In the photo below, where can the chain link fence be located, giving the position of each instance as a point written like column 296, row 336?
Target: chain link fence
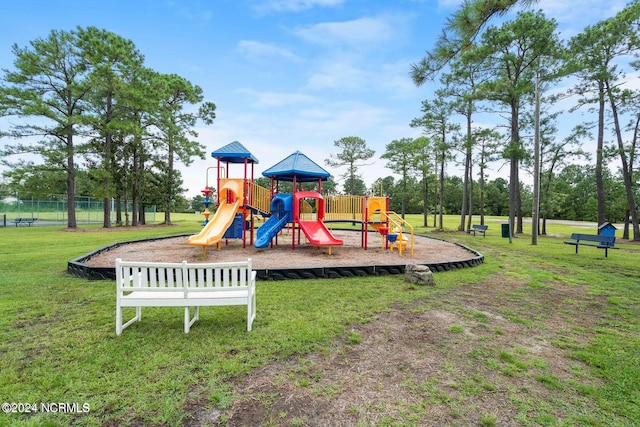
column 89, row 210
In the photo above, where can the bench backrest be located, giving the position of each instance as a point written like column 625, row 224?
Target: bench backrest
column 229, row 275
column 183, row 276
column 602, row 240
column 480, row 226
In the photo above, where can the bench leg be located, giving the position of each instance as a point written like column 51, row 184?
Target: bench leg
column 118, row 320
column 188, row 321
column 251, row 311
column 119, row 326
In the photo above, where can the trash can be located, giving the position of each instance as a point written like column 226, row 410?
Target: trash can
column 505, row 231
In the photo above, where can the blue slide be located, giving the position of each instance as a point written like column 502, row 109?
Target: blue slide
column 281, row 215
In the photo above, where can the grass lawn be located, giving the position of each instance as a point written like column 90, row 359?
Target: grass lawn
column 59, row 352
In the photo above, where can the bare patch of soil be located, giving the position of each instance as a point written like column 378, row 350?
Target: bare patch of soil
column 469, row 359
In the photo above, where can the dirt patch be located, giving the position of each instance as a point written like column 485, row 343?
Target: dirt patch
column 470, row 361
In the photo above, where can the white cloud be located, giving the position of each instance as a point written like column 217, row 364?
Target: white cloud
column 186, row 12
column 337, row 75
column 449, row 4
column 295, row 5
column 311, row 126
column 632, row 81
column 395, row 78
column 276, row 99
column 357, row 32
column 351, row 73
column 252, row 49
column 311, row 129
column 573, row 17
column 583, row 11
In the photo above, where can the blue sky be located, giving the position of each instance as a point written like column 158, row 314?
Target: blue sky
column 285, row 75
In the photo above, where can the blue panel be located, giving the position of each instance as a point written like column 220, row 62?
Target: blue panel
column 235, row 229
column 234, row 152
column 298, row 165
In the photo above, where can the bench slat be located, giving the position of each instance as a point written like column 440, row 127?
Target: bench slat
column 602, row 240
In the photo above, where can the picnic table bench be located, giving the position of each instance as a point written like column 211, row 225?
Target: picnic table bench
column 23, row 221
column 480, row 228
column 595, row 240
column 161, row 284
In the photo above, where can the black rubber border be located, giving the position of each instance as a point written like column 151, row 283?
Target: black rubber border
column 78, row 268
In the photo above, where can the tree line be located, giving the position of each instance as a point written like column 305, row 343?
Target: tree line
column 85, row 105
column 505, row 70
column 90, row 109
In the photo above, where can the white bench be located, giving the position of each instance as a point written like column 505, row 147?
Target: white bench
column 161, row 284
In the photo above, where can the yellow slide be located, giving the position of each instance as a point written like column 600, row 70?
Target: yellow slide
column 214, row 230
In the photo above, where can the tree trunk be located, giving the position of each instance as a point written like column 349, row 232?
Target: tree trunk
column 470, row 220
column 404, row 196
column 169, row 189
column 513, row 173
column 482, row 188
column 106, row 212
column 137, row 184
column 425, row 201
column 519, row 228
column 134, row 210
column 142, row 220
column 435, row 193
column 599, row 155
column 626, row 174
column 465, row 195
column 467, row 165
column 118, row 202
column 441, row 214
column 108, row 163
column 625, row 231
column 71, row 182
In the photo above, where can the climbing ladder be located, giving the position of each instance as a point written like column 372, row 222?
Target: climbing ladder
column 398, row 226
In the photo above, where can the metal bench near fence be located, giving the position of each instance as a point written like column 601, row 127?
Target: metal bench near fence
column 24, row 221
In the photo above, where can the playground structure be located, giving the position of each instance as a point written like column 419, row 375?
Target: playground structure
column 240, row 200
column 237, row 200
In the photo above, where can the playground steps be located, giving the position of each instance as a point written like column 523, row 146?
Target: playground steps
column 398, row 225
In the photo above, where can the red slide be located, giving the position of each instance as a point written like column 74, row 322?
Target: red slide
column 318, row 234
